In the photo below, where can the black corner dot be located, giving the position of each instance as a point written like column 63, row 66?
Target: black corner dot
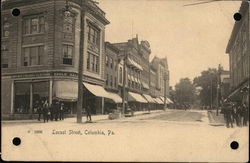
column 16, row 12
column 237, row 16
column 16, row 141
column 234, row 145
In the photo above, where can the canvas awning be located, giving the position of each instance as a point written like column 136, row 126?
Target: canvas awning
column 99, row 91
column 66, row 90
column 136, row 97
column 145, row 85
column 133, row 63
column 148, row 98
column 159, row 100
column 115, row 97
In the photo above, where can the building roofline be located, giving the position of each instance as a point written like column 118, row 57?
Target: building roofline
column 243, row 9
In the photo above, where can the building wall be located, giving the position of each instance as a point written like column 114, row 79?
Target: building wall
column 111, row 68
column 239, row 52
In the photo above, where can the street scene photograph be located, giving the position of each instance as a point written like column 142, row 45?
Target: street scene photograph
column 125, row 80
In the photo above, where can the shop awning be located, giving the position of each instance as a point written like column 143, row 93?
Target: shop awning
column 159, row 100
column 136, row 97
column 148, row 98
column 99, row 91
column 145, row 85
column 66, row 90
column 155, row 101
column 170, row 101
column 133, row 63
column 115, row 97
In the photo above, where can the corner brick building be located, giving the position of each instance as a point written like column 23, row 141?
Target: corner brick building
column 40, row 54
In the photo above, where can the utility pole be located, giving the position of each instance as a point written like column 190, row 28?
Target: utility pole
column 211, row 97
column 80, row 69
column 124, row 82
column 218, row 90
column 165, row 89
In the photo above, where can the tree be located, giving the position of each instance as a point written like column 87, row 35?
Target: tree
column 208, row 82
column 184, row 91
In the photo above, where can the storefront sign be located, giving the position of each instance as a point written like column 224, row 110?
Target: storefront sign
column 34, row 75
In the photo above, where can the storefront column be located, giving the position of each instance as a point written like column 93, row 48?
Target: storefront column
column 102, row 105
column 50, row 91
column 31, row 99
column 12, row 98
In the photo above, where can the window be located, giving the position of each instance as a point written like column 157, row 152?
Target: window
column 93, row 35
column 107, row 61
column 33, row 56
column 6, row 29
column 88, row 62
column 68, row 54
column 111, row 81
column 111, row 63
column 107, row 80
column 68, row 24
column 4, row 61
column 93, row 62
column 115, row 82
column 120, row 75
column 34, row 25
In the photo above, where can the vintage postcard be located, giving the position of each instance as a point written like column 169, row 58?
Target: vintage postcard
column 125, row 80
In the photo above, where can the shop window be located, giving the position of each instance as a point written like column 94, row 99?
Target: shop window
column 68, row 54
column 22, row 97
column 33, row 25
column 93, row 63
column 33, row 56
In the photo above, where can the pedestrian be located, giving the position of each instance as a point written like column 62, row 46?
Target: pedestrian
column 56, row 110
column 227, row 111
column 61, row 112
column 36, row 109
column 52, row 110
column 244, row 114
column 45, row 111
column 39, row 110
column 235, row 116
column 88, row 113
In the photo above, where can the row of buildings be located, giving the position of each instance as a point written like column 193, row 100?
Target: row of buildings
column 235, row 82
column 40, row 52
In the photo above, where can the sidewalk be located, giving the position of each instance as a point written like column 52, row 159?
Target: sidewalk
column 71, row 119
column 214, row 119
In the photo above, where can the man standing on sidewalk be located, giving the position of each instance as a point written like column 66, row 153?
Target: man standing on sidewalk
column 88, row 113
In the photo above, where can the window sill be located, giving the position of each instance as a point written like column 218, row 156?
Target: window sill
column 34, row 66
column 35, row 34
column 97, row 73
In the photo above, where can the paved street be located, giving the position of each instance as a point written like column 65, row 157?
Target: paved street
column 173, row 135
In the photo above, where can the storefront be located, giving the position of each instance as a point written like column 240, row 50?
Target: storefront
column 150, row 103
column 135, row 101
column 100, row 100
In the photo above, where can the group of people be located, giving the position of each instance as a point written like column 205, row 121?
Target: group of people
column 55, row 111
column 235, row 113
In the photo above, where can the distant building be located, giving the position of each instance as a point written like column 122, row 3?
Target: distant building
column 238, row 49
column 160, row 65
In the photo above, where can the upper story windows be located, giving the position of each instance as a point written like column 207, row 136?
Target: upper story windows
column 68, row 54
column 33, row 55
column 93, row 63
column 33, row 24
column 68, row 24
column 6, row 29
column 93, row 35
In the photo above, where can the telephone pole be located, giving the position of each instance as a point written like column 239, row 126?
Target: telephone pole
column 80, row 69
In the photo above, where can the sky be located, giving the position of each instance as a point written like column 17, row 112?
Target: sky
column 193, row 38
